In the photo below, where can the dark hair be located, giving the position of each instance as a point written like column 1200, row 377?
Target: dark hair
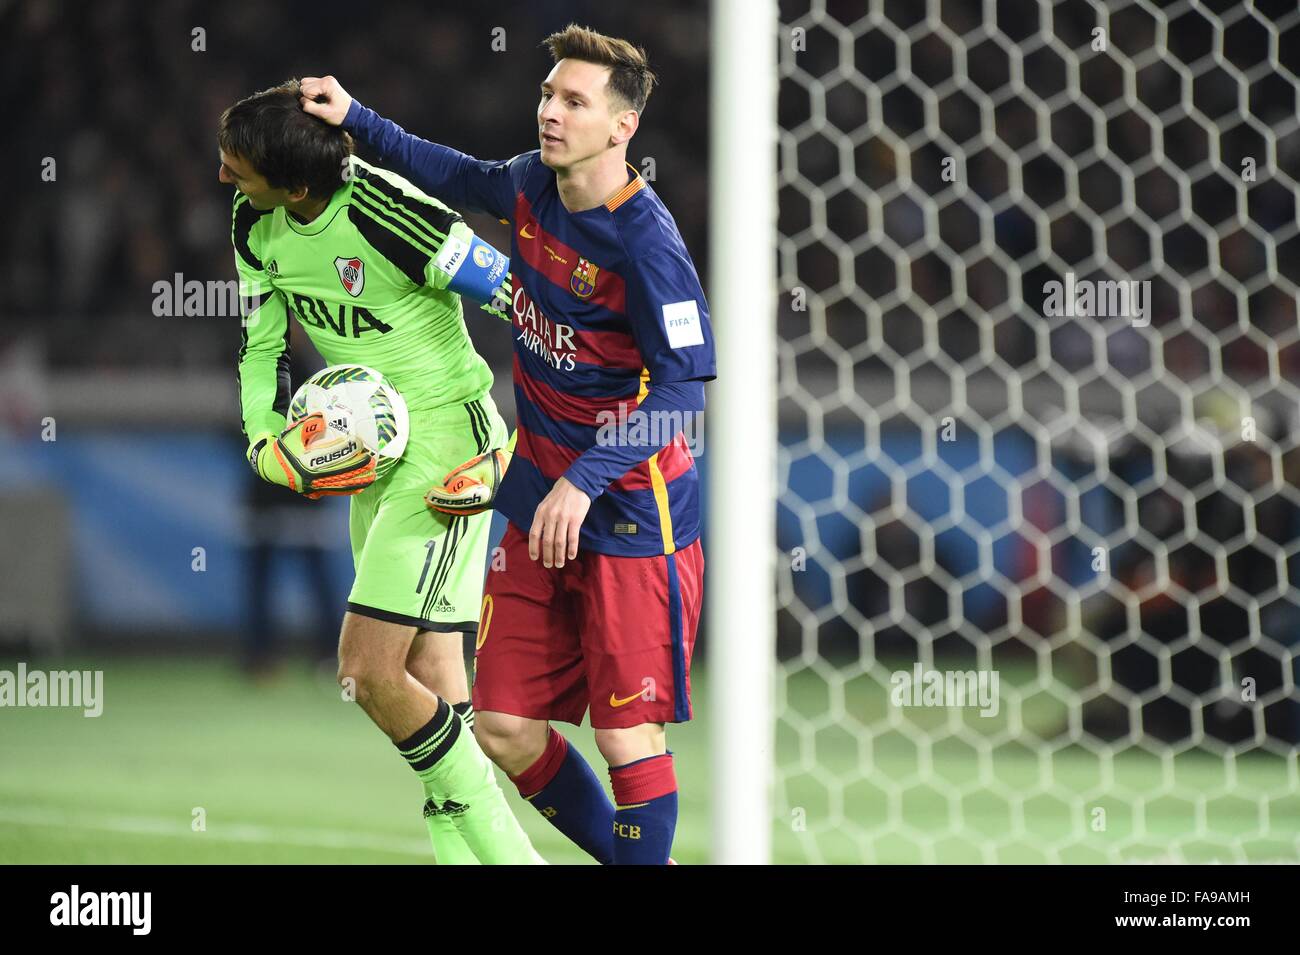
column 630, row 78
column 289, row 147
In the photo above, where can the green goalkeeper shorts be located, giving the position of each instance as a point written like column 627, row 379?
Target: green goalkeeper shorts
column 414, row 566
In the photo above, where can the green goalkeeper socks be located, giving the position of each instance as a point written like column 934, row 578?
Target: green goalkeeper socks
column 461, row 788
column 449, row 845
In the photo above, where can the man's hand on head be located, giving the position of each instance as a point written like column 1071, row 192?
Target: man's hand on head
column 324, row 98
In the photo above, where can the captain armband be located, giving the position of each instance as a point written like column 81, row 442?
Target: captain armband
column 476, row 268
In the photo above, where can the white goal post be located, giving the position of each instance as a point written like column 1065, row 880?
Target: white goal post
column 1004, row 451
column 741, row 429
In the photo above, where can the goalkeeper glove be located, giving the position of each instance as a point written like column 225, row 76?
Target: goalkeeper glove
column 303, row 459
column 470, row 488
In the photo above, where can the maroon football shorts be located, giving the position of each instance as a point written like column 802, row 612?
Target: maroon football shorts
column 612, row 633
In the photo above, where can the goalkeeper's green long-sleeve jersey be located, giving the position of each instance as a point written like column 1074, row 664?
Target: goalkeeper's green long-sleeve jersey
column 368, row 280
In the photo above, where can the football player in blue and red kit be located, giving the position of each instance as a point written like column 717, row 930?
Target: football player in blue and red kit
column 597, row 601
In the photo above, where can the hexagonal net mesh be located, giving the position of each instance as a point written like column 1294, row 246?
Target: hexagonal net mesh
column 1079, row 507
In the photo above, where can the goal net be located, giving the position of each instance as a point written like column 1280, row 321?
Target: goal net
column 1037, row 407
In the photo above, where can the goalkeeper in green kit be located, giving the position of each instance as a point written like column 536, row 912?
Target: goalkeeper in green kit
column 374, row 270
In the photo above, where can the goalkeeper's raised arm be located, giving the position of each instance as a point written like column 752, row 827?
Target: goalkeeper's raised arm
column 445, row 173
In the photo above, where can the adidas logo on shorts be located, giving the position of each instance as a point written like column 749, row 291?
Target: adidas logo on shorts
column 442, row 605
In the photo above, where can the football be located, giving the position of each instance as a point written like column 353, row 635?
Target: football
column 358, row 402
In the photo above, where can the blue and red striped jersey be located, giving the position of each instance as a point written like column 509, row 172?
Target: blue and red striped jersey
column 607, row 307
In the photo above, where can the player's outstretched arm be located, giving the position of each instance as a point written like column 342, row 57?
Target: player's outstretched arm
column 445, row 173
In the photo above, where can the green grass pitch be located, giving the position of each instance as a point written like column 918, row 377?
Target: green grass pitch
column 286, row 772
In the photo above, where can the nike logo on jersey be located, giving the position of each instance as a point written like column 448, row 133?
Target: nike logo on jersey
column 525, row 234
